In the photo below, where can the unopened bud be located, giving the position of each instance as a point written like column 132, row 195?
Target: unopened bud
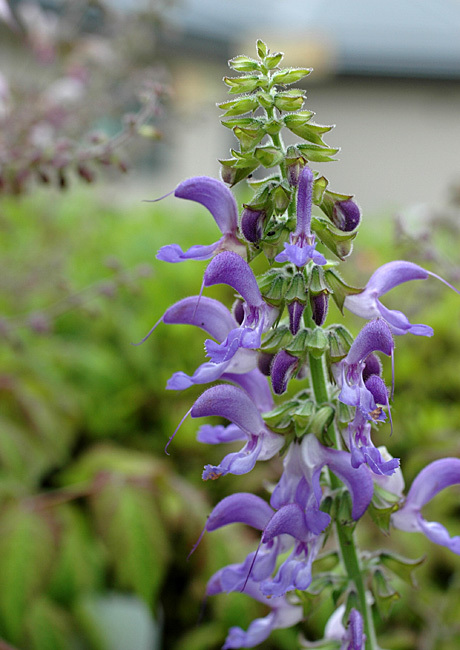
column 283, row 367
column 319, row 306
column 346, row 215
column 295, row 310
column 252, row 224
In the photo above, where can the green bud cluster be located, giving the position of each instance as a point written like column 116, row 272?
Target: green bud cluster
column 264, row 107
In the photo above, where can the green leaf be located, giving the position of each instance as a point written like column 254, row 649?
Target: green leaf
column 339, row 242
column 264, row 99
column 239, row 106
column 262, row 49
column 272, row 60
column 295, row 120
column 244, row 84
column 243, row 63
column 317, row 153
column 384, row 594
column 319, row 188
column 26, row 554
column 248, row 137
column 118, row 622
column 401, row 566
column 268, row 155
column 307, row 131
column 290, row 75
column 340, row 289
column 80, row 564
column 289, row 100
column 130, row 526
column 48, row 627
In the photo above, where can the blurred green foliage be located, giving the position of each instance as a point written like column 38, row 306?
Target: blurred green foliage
column 96, row 522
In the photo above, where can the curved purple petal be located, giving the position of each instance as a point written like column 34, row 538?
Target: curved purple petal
column 304, row 201
column 173, row 253
column 254, row 383
column 358, row 481
column 435, row 477
column 400, row 324
column 282, row 368
column 215, row 196
column 243, row 508
column 375, row 336
column 208, row 314
column 230, row 268
column 231, row 403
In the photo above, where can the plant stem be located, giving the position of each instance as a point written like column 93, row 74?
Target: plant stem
column 345, row 536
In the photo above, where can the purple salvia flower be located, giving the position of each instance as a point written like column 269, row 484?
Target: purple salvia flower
column 363, row 450
column 435, row 477
column 283, row 614
column 367, row 304
column 215, row 319
column 302, row 247
column 236, row 405
column 219, row 200
column 374, row 337
column 229, row 268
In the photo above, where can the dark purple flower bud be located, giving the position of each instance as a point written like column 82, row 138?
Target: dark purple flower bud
column 294, row 167
column 295, row 309
column 319, row 306
column 252, row 224
column 346, row 215
column 283, row 367
column 264, row 362
column 372, row 366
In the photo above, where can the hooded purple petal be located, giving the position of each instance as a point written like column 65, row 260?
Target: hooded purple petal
column 374, row 337
column 209, row 314
column 231, row 403
column 230, row 268
column 243, row 508
column 215, row 196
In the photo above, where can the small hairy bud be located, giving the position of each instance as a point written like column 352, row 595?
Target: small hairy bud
column 346, row 215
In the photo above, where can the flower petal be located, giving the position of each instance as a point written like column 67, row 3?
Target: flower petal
column 215, row 196
column 230, row 268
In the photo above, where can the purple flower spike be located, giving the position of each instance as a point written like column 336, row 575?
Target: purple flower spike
column 219, row 200
column 367, row 304
column 435, row 477
column 302, row 248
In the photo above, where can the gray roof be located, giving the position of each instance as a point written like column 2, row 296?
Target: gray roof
column 392, row 37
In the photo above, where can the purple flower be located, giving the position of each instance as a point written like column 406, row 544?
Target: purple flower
column 353, row 637
column 229, row 268
column 219, row 200
column 435, row 477
column 363, row 450
column 302, row 247
column 236, row 405
column 366, row 395
column 215, row 319
column 283, row 614
column 367, row 304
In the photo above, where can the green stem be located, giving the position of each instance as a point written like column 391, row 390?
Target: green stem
column 345, row 536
